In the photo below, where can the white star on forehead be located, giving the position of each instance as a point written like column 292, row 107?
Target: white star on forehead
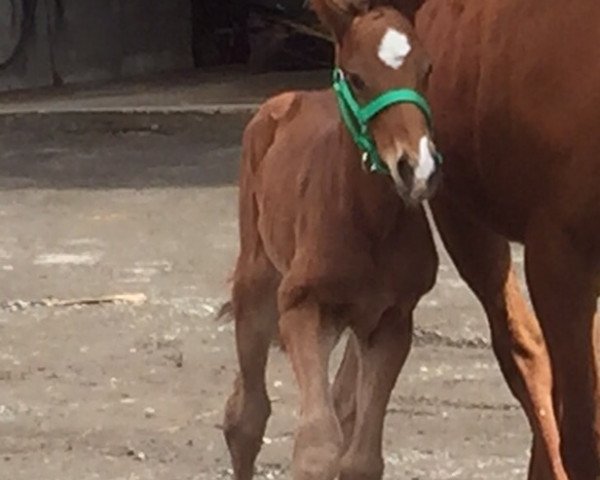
column 394, row 48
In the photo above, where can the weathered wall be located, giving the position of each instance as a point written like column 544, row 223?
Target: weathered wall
column 83, row 40
column 24, row 63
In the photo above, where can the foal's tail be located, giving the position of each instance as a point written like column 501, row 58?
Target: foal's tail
column 225, row 313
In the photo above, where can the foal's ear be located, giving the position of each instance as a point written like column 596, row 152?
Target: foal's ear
column 338, row 14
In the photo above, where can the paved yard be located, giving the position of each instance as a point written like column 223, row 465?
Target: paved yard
column 92, row 206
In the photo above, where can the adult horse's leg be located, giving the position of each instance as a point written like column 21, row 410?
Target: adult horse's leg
column 382, row 356
column 309, row 337
column 484, row 262
column 248, row 409
column 564, row 293
column 344, row 389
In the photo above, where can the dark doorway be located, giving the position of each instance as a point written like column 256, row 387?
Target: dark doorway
column 263, row 34
column 219, row 30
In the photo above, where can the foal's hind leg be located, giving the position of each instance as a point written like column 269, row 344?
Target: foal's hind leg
column 248, row 408
column 564, row 293
column 344, row 389
column 382, row 356
column 483, row 261
column 309, row 337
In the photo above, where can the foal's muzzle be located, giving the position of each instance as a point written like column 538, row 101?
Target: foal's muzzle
column 412, row 186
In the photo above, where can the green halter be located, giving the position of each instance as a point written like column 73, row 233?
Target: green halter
column 357, row 118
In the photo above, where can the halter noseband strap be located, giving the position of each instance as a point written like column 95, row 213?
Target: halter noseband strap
column 357, row 118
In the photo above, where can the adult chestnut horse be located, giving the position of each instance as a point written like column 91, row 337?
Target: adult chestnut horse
column 327, row 245
column 516, row 85
column 516, row 91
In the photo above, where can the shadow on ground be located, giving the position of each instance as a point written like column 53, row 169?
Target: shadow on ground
column 107, row 151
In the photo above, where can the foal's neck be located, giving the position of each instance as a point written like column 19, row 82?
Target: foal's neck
column 370, row 197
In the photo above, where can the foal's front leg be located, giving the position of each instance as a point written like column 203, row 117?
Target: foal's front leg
column 309, row 338
column 382, row 356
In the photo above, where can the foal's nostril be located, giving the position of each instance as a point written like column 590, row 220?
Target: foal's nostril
column 406, row 172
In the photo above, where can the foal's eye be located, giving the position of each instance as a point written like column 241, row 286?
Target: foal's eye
column 356, row 82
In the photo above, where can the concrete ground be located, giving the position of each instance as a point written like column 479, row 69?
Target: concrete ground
column 97, row 205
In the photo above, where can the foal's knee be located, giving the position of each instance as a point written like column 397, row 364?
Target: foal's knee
column 318, row 462
column 318, row 449
column 361, row 467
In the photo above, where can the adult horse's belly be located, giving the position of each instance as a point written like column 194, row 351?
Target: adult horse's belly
column 516, row 95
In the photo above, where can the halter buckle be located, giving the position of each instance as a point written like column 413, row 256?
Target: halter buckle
column 364, row 162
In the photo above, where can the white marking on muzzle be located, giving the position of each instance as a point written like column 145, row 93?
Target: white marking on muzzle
column 394, row 48
column 426, row 164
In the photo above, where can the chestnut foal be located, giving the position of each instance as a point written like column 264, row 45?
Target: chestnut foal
column 325, row 244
